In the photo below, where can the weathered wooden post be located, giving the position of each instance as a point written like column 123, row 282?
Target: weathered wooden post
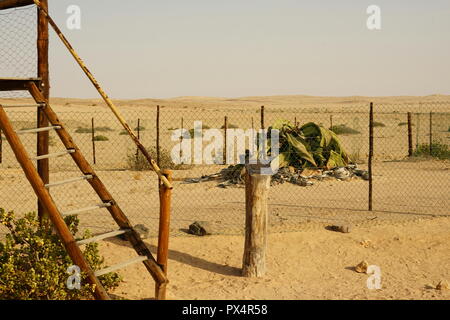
column 138, row 129
column 42, row 121
column 165, row 195
column 410, row 140
column 158, row 150
column 93, row 140
column 257, row 187
column 263, row 126
column 370, row 158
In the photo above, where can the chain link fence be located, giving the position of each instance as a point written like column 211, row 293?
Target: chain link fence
column 404, row 187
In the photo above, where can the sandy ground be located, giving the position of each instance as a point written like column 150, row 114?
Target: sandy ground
column 413, row 258
column 408, row 231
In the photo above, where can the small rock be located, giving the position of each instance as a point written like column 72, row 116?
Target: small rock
column 442, row 285
column 341, row 173
column 142, row 230
column 366, row 243
column 201, row 228
column 362, row 267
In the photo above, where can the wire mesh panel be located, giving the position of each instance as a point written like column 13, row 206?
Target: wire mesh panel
column 18, row 51
column 404, row 187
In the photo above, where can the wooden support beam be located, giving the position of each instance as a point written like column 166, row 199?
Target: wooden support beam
column 16, row 84
column 370, row 162
column 42, row 146
column 9, row 4
column 165, row 195
column 256, row 220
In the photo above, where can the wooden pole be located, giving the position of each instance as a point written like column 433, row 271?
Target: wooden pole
column 331, row 122
column 165, row 195
column 225, row 131
column 43, row 73
column 93, row 141
column 256, row 220
column 410, row 139
column 417, row 131
column 158, row 147
column 262, row 118
column 371, row 158
column 103, row 94
column 138, row 129
column 431, row 133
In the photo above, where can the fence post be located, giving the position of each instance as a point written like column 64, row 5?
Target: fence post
column 225, row 130
column 93, row 140
column 410, row 139
column 256, row 219
column 139, row 138
column 431, row 133
column 158, row 150
column 262, row 118
column 331, row 122
column 165, row 195
column 417, row 131
column 371, row 158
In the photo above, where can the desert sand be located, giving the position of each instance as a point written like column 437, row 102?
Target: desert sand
column 414, row 257
column 406, row 235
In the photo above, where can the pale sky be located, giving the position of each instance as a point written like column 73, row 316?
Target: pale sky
column 234, row 48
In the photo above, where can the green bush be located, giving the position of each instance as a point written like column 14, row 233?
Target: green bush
column 101, row 138
column 97, row 129
column 378, row 124
column 438, row 150
column 140, row 163
column 34, row 262
column 230, row 126
column 342, row 129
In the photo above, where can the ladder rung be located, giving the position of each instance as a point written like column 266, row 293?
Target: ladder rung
column 60, row 183
column 102, row 236
column 120, row 265
column 100, row 206
column 38, row 130
column 54, row 155
column 40, row 105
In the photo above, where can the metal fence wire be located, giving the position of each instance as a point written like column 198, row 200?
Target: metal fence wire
column 405, row 187
column 410, row 172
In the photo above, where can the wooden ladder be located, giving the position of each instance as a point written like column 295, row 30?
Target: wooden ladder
column 88, row 174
